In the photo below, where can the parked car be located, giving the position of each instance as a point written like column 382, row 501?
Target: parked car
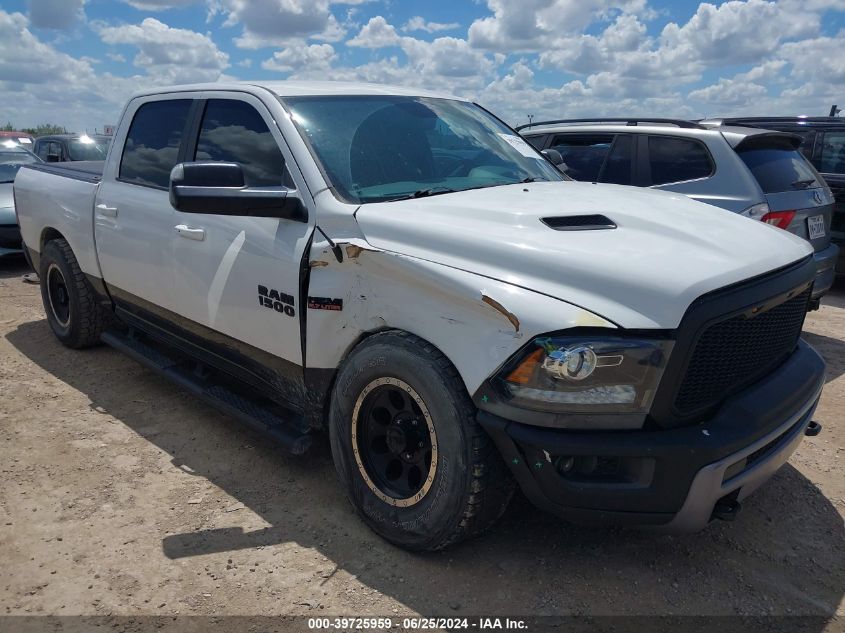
column 12, row 158
column 60, row 148
column 400, row 268
column 17, row 138
column 754, row 172
column 823, row 143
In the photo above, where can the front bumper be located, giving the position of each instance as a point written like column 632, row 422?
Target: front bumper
column 675, row 476
column 826, row 262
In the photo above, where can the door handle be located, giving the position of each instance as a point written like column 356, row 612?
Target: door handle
column 190, row 232
column 107, row 211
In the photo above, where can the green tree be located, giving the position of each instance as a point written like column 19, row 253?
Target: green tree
column 45, row 128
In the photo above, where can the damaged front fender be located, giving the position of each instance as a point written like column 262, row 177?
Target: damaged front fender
column 477, row 322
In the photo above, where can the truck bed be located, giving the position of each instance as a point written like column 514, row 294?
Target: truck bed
column 59, row 198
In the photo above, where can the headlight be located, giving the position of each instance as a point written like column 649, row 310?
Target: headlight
column 586, row 375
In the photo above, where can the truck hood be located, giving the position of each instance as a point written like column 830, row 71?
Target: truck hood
column 665, row 251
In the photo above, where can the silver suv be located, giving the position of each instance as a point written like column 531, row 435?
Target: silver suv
column 754, row 172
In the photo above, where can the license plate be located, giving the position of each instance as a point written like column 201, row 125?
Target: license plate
column 815, row 224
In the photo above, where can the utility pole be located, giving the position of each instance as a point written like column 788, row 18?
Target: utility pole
column 530, row 119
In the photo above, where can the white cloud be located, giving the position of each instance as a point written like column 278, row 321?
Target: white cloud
column 160, row 5
column 419, row 23
column 730, row 93
column 821, row 59
column 280, row 22
column 550, row 58
column 317, row 57
column 446, row 57
column 173, row 55
column 376, row 33
column 55, row 14
column 40, row 84
column 532, row 25
column 738, row 32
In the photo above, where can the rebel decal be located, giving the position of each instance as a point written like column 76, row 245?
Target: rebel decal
column 279, row 301
column 325, row 303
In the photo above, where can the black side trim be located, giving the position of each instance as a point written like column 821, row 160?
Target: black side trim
column 86, row 171
column 250, row 408
column 278, row 379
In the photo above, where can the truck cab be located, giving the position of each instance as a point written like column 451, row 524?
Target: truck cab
column 399, row 269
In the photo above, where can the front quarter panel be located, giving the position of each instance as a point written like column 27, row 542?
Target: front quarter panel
column 477, row 322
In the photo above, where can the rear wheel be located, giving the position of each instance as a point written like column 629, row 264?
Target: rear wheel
column 414, row 462
column 74, row 314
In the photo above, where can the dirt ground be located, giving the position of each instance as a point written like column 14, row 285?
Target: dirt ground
column 121, row 494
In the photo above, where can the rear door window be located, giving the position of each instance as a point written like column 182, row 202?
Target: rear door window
column 583, row 154
column 832, row 159
column 234, row 131
column 152, row 145
column 677, row 160
column 617, row 168
column 780, row 169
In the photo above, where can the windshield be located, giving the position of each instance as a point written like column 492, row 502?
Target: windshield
column 381, row 148
column 87, row 148
column 11, row 161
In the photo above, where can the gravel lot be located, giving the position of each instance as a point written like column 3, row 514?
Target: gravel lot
column 122, row 494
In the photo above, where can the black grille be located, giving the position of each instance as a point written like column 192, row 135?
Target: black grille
column 732, row 354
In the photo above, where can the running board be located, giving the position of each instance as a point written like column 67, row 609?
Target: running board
column 290, row 431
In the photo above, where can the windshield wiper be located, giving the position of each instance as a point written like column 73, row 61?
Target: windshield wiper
column 803, row 184
column 425, row 193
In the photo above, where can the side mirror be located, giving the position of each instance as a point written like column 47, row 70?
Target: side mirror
column 553, row 156
column 218, row 188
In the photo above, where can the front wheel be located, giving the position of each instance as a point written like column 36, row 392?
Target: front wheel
column 413, row 460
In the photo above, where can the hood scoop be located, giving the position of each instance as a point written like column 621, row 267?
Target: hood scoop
column 579, row 223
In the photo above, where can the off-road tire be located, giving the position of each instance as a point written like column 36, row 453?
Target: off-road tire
column 471, row 486
column 86, row 318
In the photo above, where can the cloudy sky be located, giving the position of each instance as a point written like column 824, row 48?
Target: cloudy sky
column 74, row 62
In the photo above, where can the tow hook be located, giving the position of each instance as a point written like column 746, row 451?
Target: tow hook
column 813, row 429
column 726, row 509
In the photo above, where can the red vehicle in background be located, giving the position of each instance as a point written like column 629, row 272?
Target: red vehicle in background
column 19, row 138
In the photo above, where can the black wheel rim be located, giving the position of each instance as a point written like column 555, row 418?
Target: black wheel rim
column 58, row 294
column 394, row 442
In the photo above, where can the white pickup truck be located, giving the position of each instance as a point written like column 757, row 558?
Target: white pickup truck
column 399, row 268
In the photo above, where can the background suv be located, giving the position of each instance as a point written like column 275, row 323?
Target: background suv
column 59, row 148
column 756, row 172
column 823, row 143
